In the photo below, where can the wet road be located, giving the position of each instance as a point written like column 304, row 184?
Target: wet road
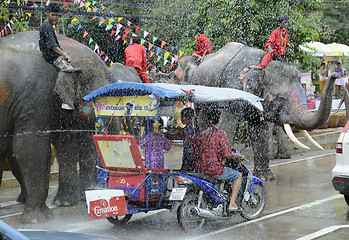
column 301, row 204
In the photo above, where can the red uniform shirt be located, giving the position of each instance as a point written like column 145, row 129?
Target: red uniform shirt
column 203, row 43
column 210, row 148
column 278, row 42
column 135, row 56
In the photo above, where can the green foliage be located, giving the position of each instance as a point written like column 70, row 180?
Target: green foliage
column 18, row 19
column 250, row 22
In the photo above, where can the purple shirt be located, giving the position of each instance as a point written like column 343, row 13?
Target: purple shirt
column 158, row 142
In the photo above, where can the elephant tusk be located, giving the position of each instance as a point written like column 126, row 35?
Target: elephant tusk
column 292, row 137
column 310, row 139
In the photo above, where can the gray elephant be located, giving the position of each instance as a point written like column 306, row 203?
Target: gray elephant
column 32, row 118
column 279, row 84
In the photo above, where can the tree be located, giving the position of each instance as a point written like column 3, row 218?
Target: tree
column 16, row 17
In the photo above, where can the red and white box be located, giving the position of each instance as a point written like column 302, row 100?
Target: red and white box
column 105, row 203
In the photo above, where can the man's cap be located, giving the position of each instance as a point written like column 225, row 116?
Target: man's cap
column 53, row 7
column 283, row 19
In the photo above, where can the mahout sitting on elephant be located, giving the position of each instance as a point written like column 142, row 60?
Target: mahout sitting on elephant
column 279, row 85
column 33, row 118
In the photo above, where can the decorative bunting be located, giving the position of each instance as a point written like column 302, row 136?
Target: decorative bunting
column 154, row 39
column 162, row 44
column 112, row 63
column 154, row 70
column 96, row 47
column 64, row 5
column 102, row 21
column 89, row 9
column 180, row 53
column 169, row 52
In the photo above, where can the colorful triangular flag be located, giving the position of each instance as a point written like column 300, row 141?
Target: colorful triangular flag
column 85, row 34
column 162, row 44
column 154, row 39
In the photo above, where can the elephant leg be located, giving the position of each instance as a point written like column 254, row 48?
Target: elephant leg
column 16, row 171
column 68, row 179
column 32, row 153
column 270, row 141
column 87, row 165
column 2, row 162
column 283, row 150
column 258, row 134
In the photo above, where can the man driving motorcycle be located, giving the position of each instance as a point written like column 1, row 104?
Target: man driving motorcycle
column 211, row 147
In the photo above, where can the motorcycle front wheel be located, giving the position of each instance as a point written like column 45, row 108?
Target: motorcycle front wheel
column 119, row 220
column 253, row 207
column 187, row 218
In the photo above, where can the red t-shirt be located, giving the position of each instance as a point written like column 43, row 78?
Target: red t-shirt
column 278, row 42
column 211, row 146
column 135, row 56
column 203, row 43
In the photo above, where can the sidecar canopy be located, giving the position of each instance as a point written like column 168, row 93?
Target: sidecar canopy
column 142, row 99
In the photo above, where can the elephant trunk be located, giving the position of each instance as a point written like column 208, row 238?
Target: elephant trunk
column 302, row 118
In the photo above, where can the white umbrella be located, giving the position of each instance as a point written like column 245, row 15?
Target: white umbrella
column 316, row 49
column 337, row 50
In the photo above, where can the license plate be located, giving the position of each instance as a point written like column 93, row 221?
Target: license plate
column 178, row 194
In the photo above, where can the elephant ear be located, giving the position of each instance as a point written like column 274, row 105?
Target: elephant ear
column 254, row 81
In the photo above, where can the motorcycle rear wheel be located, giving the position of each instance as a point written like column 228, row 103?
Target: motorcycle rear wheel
column 119, row 220
column 188, row 220
column 254, row 206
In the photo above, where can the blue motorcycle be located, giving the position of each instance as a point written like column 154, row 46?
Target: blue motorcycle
column 198, row 198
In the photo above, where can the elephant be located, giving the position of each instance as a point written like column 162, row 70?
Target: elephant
column 278, row 84
column 32, row 117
